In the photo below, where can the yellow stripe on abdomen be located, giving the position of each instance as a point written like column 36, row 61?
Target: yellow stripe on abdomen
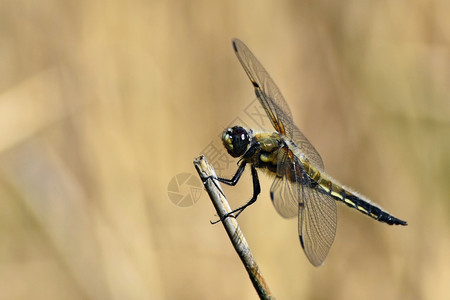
column 338, row 192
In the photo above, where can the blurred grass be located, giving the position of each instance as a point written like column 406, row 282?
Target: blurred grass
column 102, row 103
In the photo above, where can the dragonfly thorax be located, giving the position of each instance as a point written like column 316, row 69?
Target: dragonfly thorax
column 236, row 140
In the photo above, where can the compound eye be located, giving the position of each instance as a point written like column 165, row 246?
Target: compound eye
column 236, row 140
column 240, row 133
column 240, row 140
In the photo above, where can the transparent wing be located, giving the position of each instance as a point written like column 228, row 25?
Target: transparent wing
column 284, row 193
column 317, row 217
column 273, row 102
column 284, row 197
column 317, row 220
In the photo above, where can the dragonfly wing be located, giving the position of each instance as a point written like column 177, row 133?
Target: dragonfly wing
column 317, row 220
column 266, row 90
column 305, row 147
column 284, row 197
column 285, row 189
column 273, row 102
column 292, row 195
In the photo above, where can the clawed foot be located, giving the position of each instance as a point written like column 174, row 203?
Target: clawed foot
column 209, row 177
column 230, row 214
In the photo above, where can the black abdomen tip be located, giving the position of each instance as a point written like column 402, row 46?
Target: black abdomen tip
column 394, row 221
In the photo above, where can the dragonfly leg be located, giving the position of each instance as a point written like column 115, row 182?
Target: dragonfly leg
column 233, row 181
column 256, row 192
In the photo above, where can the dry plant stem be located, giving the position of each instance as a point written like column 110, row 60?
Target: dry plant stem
column 232, row 228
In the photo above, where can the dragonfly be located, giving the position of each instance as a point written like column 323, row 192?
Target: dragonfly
column 300, row 187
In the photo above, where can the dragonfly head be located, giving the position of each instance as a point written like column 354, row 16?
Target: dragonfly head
column 236, row 140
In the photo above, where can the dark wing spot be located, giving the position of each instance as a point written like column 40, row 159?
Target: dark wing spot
column 301, row 242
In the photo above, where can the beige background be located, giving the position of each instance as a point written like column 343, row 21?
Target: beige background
column 103, row 102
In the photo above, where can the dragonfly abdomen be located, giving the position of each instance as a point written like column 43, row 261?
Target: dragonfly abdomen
column 350, row 199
